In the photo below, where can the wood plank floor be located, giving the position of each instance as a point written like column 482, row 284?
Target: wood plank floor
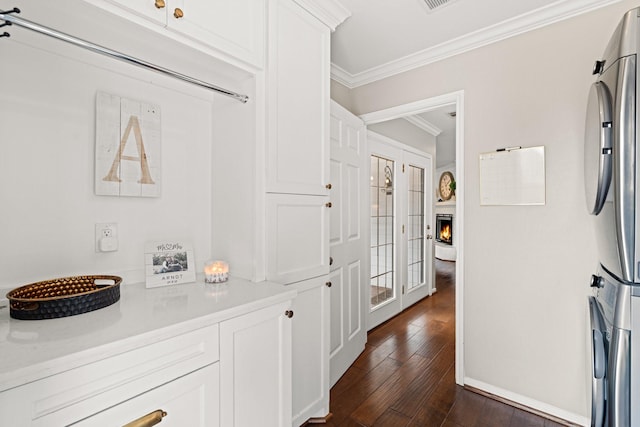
column 406, row 376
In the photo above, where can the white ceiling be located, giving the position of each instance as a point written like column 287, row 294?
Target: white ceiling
column 386, row 37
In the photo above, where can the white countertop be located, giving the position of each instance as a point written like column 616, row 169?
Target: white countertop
column 32, row 349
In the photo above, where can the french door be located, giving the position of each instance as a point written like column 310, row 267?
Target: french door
column 401, row 250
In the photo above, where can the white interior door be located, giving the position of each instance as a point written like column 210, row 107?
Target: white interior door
column 350, row 263
column 385, row 296
column 417, row 229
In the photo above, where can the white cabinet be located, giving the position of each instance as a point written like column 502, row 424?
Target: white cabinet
column 310, row 352
column 85, row 391
column 192, row 400
column 297, row 237
column 235, row 27
column 297, row 186
column 297, row 151
column 298, row 101
column 233, row 371
column 255, row 368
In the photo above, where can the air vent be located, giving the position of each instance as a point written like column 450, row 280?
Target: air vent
column 434, row 4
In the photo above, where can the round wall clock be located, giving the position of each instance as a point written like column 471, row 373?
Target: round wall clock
column 445, row 188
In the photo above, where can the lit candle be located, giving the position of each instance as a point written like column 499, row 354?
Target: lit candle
column 216, row 271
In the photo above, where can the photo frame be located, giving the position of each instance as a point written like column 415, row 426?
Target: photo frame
column 169, row 262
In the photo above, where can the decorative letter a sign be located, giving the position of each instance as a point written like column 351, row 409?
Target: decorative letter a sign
column 127, row 147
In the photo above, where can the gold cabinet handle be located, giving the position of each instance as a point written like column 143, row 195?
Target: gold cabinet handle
column 328, row 186
column 160, row 4
column 328, row 205
column 178, row 13
column 328, row 284
column 289, row 313
column 148, row 420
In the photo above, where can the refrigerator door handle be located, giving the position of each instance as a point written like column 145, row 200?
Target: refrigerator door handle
column 624, row 153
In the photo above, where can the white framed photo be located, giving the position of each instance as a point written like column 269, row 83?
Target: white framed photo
column 169, row 262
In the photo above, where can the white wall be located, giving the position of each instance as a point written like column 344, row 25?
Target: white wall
column 526, row 268
column 47, row 117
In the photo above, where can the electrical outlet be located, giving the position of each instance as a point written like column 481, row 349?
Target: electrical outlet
column 106, row 237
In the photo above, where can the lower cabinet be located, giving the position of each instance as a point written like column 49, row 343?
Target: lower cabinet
column 310, row 350
column 191, row 400
column 235, row 373
column 255, row 368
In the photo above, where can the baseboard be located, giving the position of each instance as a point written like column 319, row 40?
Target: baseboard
column 541, row 409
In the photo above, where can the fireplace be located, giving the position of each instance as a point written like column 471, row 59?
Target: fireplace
column 444, row 228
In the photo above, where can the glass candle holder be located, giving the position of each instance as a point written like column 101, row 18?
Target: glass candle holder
column 216, row 271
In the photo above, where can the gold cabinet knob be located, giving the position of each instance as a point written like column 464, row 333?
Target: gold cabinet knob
column 328, row 205
column 178, row 13
column 328, row 284
column 289, row 313
column 160, row 4
column 328, row 186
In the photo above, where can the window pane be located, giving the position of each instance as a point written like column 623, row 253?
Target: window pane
column 382, row 223
column 415, row 246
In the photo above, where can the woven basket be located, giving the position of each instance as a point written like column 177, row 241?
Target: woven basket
column 62, row 297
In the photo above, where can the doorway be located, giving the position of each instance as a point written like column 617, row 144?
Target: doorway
column 412, row 109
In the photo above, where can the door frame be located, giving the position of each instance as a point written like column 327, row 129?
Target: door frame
column 421, row 106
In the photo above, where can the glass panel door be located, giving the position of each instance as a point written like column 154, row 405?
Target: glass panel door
column 382, row 231
column 417, row 239
column 401, row 215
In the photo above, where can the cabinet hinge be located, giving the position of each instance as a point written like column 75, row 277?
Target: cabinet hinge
column 402, row 228
column 402, row 289
column 403, row 168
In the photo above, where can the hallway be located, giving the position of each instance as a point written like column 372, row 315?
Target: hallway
column 406, row 374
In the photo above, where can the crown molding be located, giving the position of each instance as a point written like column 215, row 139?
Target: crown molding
column 423, row 124
column 331, row 12
column 341, row 76
column 555, row 12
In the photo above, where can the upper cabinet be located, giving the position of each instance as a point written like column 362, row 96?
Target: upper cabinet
column 298, row 101
column 233, row 27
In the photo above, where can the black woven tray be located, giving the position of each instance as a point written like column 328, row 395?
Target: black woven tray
column 66, row 296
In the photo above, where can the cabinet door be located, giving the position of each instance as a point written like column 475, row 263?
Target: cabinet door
column 297, row 237
column 255, row 369
column 153, row 10
column 298, row 93
column 234, row 26
column 192, row 400
column 310, row 350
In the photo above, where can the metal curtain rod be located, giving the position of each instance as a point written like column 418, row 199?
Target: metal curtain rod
column 11, row 19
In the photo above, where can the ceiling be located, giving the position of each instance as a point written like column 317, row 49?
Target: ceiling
column 386, row 37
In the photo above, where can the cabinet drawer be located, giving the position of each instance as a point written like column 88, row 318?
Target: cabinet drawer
column 192, row 400
column 65, row 398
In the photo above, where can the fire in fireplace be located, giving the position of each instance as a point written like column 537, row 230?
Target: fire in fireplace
column 444, row 228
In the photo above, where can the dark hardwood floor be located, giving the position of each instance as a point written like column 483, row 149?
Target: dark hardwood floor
column 406, row 375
